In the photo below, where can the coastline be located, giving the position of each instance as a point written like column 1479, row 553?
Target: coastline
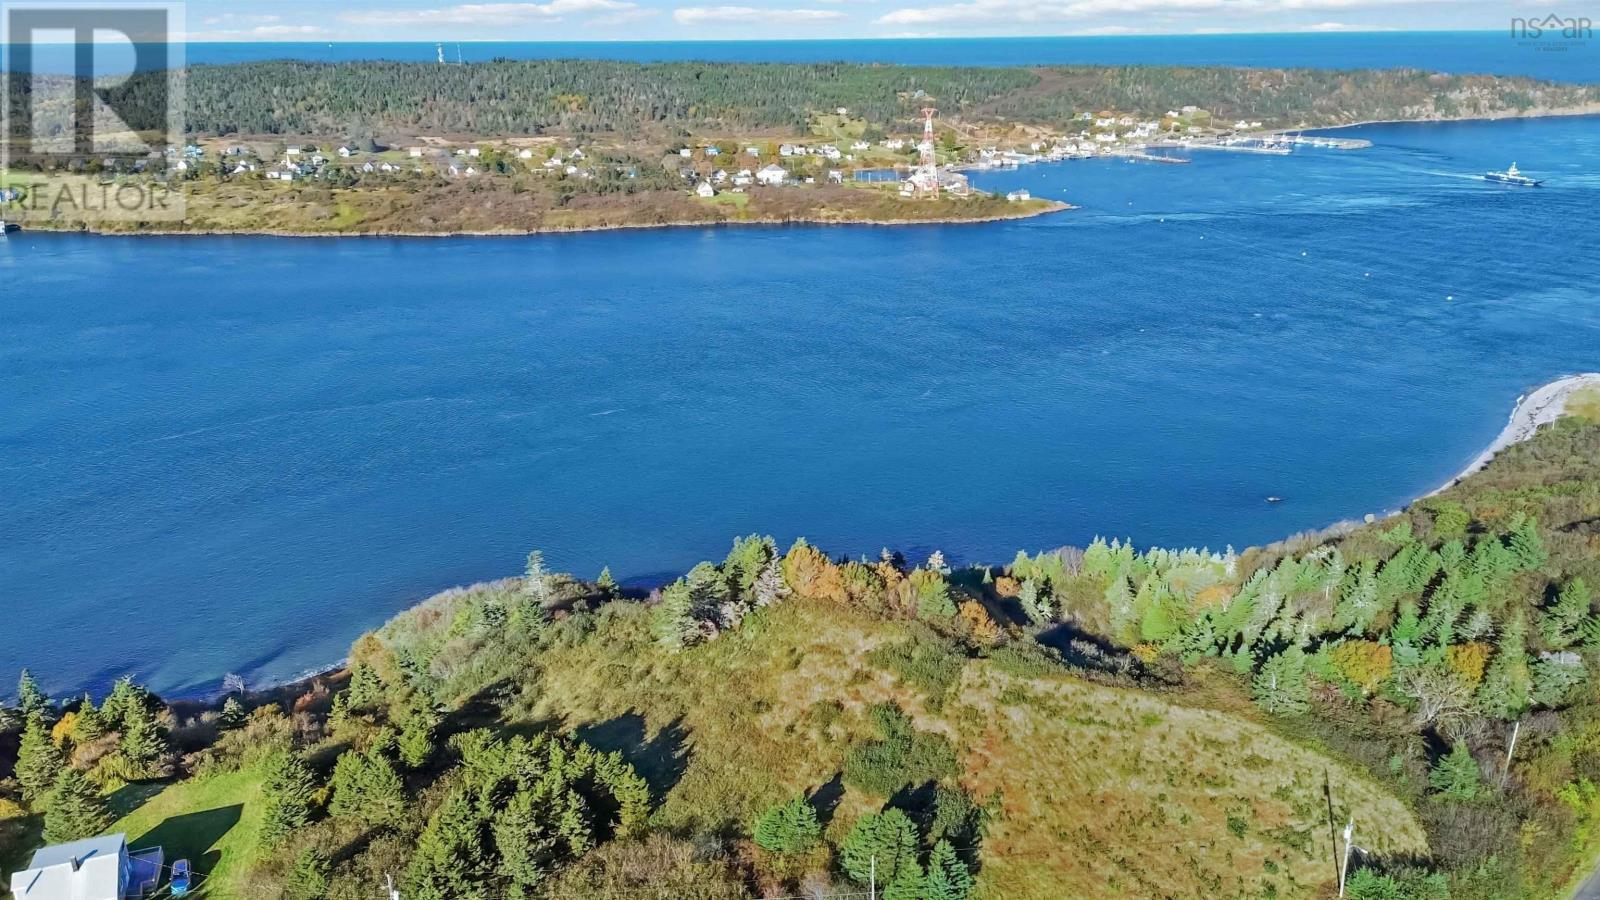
column 1535, row 409
column 1047, row 208
column 1592, row 109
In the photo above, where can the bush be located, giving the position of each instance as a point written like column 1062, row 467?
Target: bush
column 902, row 756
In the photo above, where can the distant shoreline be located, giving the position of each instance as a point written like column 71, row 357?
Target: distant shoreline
column 1052, row 206
column 1534, row 410
column 1592, row 109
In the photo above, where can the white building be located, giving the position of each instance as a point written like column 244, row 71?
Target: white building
column 524, row 153
column 704, row 189
column 1019, row 195
column 98, row 868
column 744, row 178
column 344, row 152
column 772, row 175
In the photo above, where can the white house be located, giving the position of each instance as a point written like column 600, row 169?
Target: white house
column 1018, row 195
column 860, row 145
column 744, row 178
column 835, row 176
column 368, row 168
column 474, row 152
column 524, row 153
column 786, row 149
column 93, row 869
column 719, row 176
column 344, row 152
column 416, row 152
column 771, row 175
column 685, row 153
column 704, row 189
column 292, row 151
column 752, row 151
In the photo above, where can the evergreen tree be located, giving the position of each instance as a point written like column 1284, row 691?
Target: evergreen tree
column 366, row 688
column 1035, row 602
column 30, row 699
column 39, row 761
column 1508, row 684
column 1527, row 547
column 288, row 795
column 1280, row 687
column 789, row 828
column 1566, row 622
column 366, row 789
column 672, row 621
column 416, row 736
column 1555, row 676
column 233, row 714
column 91, row 724
column 536, row 583
column 908, row 883
column 1456, row 775
column 308, row 878
column 143, row 745
column 74, row 810
column 124, row 696
column 607, row 584
column 448, row 862
column 888, row 837
column 948, row 876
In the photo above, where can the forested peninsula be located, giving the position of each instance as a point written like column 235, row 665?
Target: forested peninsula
column 1083, row 722
column 514, row 147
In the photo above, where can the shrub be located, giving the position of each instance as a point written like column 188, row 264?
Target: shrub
column 789, row 828
column 900, row 757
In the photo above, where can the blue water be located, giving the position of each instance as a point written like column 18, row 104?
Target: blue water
column 235, row 454
column 1460, row 52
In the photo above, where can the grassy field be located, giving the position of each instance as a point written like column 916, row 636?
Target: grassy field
column 1101, row 791
column 1585, row 404
column 213, row 822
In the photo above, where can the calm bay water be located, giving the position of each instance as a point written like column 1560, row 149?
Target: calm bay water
column 235, row 454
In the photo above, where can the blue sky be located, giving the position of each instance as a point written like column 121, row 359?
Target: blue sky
column 433, row 20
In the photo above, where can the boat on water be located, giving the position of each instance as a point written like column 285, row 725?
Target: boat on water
column 8, row 227
column 1511, row 176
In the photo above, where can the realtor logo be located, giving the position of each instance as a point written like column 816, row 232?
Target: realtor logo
column 86, row 83
column 1552, row 32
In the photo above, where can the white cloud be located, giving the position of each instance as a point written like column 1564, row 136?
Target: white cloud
column 284, row 30
column 497, row 14
column 625, row 16
column 695, row 15
column 1034, row 11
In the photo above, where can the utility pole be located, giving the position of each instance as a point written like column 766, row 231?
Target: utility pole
column 1344, row 864
column 1510, row 750
column 872, row 878
column 388, row 881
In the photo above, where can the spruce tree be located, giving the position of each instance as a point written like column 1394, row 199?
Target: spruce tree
column 39, row 761
column 288, row 795
column 74, row 810
column 366, row 789
column 124, row 696
column 30, row 699
column 888, row 837
column 416, row 736
column 789, row 828
column 1566, row 622
column 308, row 878
column 607, row 584
column 142, row 744
column 948, row 876
column 1280, row 687
column 366, row 689
column 908, row 883
column 233, row 714
column 449, row 854
column 672, row 621
column 1527, row 547
column 91, row 724
column 1456, row 775
column 1508, row 684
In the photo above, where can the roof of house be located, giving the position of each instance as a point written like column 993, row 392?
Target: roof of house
column 51, row 876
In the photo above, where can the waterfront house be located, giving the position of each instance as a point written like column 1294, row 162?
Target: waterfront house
column 1019, row 195
column 772, row 175
column 705, row 190
column 99, row 868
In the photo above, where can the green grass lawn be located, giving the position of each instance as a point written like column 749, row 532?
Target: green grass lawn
column 1585, row 403
column 212, row 822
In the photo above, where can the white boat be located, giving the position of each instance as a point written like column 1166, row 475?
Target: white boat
column 1511, row 176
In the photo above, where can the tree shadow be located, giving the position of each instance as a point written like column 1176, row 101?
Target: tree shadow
column 825, row 799
column 660, row 759
column 133, row 795
column 191, row 836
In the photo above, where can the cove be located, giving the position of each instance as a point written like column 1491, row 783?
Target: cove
column 204, row 474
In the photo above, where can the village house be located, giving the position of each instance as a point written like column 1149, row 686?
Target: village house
column 786, row 149
column 835, row 176
column 99, row 868
column 1019, row 195
column 525, row 153
column 744, row 178
column 344, row 152
column 752, row 151
column 415, row 152
column 704, row 189
column 719, row 176
column 772, row 175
